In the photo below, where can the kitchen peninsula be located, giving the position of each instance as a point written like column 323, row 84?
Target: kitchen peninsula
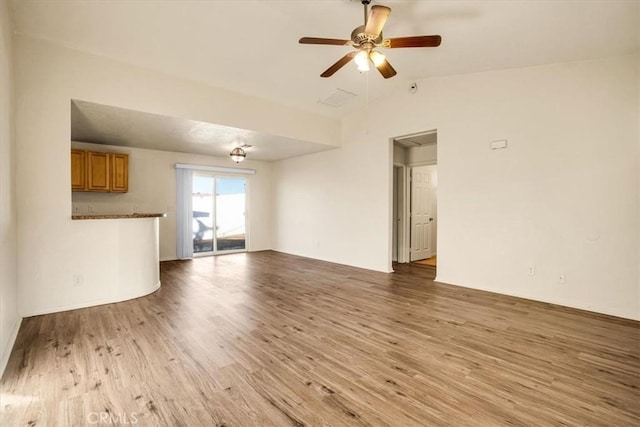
column 120, row 260
column 120, row 216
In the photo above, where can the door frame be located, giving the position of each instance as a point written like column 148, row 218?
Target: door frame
column 403, row 202
column 403, row 237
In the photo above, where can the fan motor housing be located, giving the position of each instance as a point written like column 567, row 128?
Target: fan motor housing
column 358, row 36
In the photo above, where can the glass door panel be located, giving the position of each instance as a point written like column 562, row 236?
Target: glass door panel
column 230, row 203
column 203, row 219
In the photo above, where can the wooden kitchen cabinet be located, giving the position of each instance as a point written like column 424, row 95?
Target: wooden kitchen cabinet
column 78, row 170
column 119, row 172
column 99, row 171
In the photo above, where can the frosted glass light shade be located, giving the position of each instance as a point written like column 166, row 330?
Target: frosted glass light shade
column 362, row 61
column 377, row 58
column 237, row 154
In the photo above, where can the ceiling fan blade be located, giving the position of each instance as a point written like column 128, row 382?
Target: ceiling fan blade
column 417, row 41
column 386, row 69
column 341, row 63
column 319, row 40
column 377, row 18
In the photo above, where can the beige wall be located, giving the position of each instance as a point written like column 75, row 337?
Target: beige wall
column 152, row 188
column 51, row 247
column 9, row 318
column 563, row 198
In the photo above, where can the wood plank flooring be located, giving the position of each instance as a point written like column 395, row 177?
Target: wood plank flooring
column 267, row 339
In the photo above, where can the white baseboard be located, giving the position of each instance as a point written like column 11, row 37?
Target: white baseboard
column 7, row 350
column 599, row 310
column 333, row 261
column 92, row 303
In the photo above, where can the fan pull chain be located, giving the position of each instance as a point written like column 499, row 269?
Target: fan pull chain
column 367, row 118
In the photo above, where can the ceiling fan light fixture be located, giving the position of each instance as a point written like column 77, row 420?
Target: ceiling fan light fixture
column 377, row 58
column 365, row 38
column 238, row 154
column 363, row 68
column 362, row 61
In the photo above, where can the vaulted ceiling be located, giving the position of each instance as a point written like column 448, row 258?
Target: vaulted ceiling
column 252, row 46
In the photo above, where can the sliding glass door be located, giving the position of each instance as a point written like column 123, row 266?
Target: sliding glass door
column 218, row 205
column 230, row 219
column 203, row 219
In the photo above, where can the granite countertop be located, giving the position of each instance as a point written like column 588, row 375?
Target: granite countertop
column 120, row 216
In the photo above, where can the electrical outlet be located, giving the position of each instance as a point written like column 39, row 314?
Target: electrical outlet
column 531, row 271
column 562, row 278
column 136, row 207
column 77, row 280
column 90, row 208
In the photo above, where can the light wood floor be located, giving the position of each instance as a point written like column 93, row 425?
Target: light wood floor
column 433, row 261
column 268, row 339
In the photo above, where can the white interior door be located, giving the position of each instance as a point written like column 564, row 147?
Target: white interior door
column 433, row 197
column 420, row 213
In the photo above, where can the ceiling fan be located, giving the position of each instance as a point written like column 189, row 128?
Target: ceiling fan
column 366, row 38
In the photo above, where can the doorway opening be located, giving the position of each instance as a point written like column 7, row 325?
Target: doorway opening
column 219, row 222
column 415, row 200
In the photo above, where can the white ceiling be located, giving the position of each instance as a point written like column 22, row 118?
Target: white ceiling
column 252, row 46
column 103, row 124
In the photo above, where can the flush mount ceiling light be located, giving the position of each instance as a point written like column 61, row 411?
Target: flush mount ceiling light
column 238, row 154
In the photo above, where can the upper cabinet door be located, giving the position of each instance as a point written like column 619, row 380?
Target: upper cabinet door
column 119, row 173
column 98, row 168
column 78, row 172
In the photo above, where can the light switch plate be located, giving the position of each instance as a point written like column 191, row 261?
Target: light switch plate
column 499, row 144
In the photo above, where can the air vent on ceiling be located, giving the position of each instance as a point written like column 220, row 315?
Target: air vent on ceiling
column 338, row 98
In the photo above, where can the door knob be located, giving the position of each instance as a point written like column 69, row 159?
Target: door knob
column 430, row 219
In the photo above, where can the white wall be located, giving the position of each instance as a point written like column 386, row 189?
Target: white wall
column 152, row 187
column 9, row 318
column 562, row 198
column 52, row 247
column 328, row 205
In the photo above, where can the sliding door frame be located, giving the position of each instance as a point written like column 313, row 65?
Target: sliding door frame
column 214, row 252
column 184, row 198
